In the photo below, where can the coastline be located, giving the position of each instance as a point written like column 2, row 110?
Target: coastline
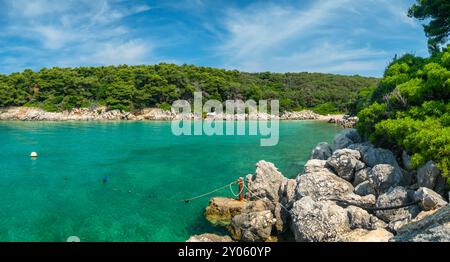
column 349, row 191
column 156, row 114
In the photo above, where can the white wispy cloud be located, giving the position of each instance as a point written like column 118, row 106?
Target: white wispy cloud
column 314, row 37
column 335, row 36
column 72, row 33
column 131, row 52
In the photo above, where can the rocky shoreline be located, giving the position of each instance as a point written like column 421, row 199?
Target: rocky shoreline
column 102, row 114
column 349, row 191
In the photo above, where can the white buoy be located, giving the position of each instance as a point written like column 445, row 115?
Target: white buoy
column 73, row 239
column 33, row 154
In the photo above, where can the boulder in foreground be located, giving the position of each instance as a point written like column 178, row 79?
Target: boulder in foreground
column 253, row 226
column 221, row 210
column 318, row 221
column 433, row 228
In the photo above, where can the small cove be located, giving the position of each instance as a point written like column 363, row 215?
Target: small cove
column 149, row 170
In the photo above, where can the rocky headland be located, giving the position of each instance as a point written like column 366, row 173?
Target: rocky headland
column 349, row 191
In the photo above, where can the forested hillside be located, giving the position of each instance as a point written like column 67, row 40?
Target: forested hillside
column 133, row 87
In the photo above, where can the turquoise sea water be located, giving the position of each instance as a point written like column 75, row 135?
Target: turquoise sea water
column 61, row 194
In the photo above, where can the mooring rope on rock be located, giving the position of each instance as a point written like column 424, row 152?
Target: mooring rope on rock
column 239, row 193
column 349, row 203
column 208, row 193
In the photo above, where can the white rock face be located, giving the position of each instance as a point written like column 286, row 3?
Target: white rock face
column 84, row 114
column 302, row 115
column 322, row 221
column 322, row 185
column 276, row 190
column 265, row 183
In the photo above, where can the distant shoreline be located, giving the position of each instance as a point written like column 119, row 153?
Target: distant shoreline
column 148, row 114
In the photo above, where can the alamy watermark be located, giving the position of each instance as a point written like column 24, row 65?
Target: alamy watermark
column 191, row 120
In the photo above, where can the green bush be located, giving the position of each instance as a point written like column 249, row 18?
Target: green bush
column 414, row 111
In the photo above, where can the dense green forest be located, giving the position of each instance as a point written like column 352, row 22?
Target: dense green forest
column 409, row 109
column 131, row 88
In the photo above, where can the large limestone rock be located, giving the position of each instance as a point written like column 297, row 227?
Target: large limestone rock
column 221, row 211
column 322, row 185
column 326, row 186
column 253, row 226
column 396, row 197
column 322, row 151
column 433, row 228
column 384, row 176
column 428, row 199
column 427, row 175
column 265, row 183
column 322, row 221
column 316, row 165
column 362, row 235
column 345, row 162
column 209, row 238
column 376, row 156
column 269, row 185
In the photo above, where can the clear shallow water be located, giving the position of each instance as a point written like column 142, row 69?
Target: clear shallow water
column 61, row 193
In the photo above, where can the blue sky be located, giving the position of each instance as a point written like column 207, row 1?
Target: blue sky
column 330, row 36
